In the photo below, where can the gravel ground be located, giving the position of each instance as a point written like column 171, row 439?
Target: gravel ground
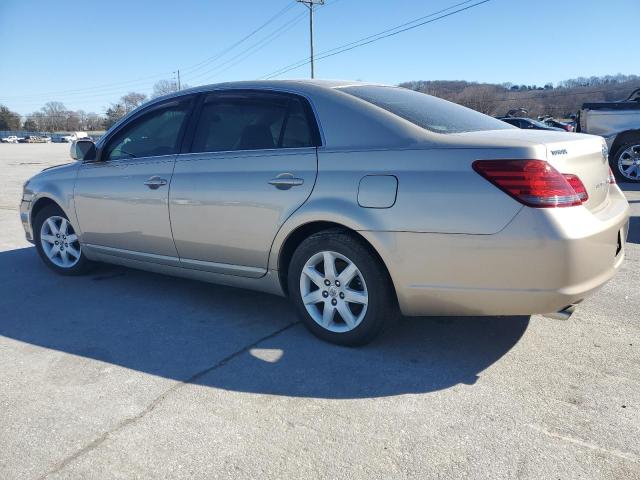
column 126, row 374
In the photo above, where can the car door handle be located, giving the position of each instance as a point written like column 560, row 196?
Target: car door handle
column 155, row 182
column 284, row 183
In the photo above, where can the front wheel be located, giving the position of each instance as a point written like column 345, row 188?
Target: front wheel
column 57, row 242
column 341, row 290
column 626, row 161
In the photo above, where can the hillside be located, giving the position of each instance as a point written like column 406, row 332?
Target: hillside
column 560, row 100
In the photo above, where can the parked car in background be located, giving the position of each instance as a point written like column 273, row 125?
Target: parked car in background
column 528, row 123
column 619, row 124
column 354, row 200
column 551, row 122
column 32, row 139
column 10, row 139
column 46, row 138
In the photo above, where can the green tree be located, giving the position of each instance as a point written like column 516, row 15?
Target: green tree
column 30, row 125
column 9, row 120
column 114, row 113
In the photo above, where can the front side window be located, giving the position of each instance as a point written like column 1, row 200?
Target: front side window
column 431, row 113
column 154, row 134
column 241, row 121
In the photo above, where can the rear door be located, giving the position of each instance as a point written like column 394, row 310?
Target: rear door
column 251, row 163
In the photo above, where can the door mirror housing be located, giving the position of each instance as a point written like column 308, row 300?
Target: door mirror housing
column 83, row 150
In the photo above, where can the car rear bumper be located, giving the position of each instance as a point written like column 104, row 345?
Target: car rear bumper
column 544, row 260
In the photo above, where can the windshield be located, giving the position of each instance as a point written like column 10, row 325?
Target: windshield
column 430, row 113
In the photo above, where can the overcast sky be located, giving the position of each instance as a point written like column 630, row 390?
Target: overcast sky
column 89, row 53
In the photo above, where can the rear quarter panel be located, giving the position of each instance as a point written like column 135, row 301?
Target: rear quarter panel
column 438, row 191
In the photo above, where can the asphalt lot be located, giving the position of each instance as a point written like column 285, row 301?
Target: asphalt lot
column 126, row 374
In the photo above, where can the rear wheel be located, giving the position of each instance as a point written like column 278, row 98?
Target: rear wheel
column 57, row 242
column 626, row 161
column 342, row 292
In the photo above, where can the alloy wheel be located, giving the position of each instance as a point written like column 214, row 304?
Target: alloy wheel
column 333, row 291
column 629, row 162
column 60, row 242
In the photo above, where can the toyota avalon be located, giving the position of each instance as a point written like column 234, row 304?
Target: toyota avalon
column 359, row 202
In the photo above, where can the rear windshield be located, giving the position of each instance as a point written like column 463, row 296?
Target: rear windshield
column 430, row 113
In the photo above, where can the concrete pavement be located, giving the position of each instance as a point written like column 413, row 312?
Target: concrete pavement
column 126, row 374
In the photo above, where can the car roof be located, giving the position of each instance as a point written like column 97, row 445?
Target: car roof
column 344, row 120
column 302, row 86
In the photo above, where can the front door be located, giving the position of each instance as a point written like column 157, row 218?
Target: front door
column 252, row 163
column 122, row 198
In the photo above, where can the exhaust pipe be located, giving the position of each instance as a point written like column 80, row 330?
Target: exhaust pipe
column 563, row 314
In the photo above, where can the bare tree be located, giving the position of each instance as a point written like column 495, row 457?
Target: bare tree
column 164, row 87
column 56, row 115
column 94, row 121
column 40, row 121
column 482, row 98
column 72, row 121
column 562, row 99
column 132, row 100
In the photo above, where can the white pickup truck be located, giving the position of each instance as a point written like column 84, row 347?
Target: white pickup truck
column 10, row 139
column 619, row 124
column 73, row 137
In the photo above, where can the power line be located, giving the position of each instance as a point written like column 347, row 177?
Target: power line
column 111, row 87
column 305, row 60
column 378, row 36
column 88, row 91
column 310, row 4
column 239, row 42
column 253, row 48
column 263, row 42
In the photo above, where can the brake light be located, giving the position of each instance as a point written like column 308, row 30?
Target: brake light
column 612, row 177
column 577, row 186
column 534, row 183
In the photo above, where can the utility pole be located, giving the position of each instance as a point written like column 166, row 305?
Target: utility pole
column 310, row 4
column 178, row 72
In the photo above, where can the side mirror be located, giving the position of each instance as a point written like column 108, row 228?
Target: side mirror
column 83, row 149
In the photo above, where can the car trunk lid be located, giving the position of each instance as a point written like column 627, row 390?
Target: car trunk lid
column 570, row 153
column 586, row 158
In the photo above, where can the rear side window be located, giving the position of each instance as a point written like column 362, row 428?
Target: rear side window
column 430, row 113
column 153, row 134
column 252, row 121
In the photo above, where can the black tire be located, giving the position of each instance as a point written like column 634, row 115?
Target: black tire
column 613, row 160
column 381, row 310
column 83, row 265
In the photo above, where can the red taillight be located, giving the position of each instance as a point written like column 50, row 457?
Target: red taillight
column 532, row 182
column 612, row 177
column 577, row 186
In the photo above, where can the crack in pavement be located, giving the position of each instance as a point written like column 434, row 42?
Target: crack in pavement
column 582, row 443
column 158, row 400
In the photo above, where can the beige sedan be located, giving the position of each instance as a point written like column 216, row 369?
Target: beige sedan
column 360, row 202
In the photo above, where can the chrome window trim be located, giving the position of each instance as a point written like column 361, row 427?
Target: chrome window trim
column 255, row 152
